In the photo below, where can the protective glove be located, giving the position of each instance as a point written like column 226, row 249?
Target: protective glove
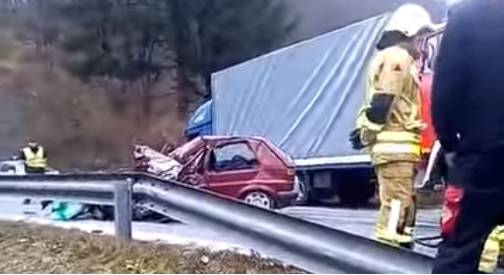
column 355, row 140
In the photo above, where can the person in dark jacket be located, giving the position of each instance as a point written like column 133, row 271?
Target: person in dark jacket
column 468, row 116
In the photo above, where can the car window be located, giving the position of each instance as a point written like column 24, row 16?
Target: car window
column 237, row 156
column 5, row 168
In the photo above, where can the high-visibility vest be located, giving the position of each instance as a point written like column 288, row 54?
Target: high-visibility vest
column 35, row 160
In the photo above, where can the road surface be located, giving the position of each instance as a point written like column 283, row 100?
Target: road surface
column 361, row 221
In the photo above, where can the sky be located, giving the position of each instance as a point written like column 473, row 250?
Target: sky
column 320, row 16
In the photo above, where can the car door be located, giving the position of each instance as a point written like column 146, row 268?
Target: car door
column 230, row 167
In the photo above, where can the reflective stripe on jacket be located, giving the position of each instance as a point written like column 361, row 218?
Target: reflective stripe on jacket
column 389, row 142
column 492, row 251
column 35, row 160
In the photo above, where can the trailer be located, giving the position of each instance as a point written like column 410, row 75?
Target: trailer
column 305, row 99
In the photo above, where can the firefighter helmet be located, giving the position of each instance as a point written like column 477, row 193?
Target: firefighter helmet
column 409, row 20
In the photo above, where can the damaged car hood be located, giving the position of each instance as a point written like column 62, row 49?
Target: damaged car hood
column 151, row 161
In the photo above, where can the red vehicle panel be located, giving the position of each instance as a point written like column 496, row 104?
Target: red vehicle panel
column 250, row 169
column 431, row 47
column 428, row 135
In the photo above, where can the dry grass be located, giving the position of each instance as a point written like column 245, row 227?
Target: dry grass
column 35, row 249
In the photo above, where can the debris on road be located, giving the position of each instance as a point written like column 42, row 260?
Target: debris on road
column 36, row 249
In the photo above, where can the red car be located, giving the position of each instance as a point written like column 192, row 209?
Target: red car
column 250, row 169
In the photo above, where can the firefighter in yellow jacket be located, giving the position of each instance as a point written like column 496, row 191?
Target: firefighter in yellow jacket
column 389, row 124
column 493, row 250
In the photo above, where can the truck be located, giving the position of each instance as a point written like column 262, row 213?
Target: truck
column 305, row 98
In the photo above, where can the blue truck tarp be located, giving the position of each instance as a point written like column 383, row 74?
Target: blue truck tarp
column 304, row 98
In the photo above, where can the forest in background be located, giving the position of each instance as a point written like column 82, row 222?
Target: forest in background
column 96, row 76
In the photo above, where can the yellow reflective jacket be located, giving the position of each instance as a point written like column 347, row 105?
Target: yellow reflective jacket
column 492, row 251
column 35, row 160
column 393, row 72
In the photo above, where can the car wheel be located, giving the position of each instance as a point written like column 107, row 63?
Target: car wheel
column 259, row 199
column 356, row 194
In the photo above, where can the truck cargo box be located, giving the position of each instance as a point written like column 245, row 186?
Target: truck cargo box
column 304, row 98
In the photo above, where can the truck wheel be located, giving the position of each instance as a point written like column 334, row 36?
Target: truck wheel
column 302, row 189
column 356, row 194
column 259, row 199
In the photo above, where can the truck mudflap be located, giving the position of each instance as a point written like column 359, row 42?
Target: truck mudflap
column 434, row 170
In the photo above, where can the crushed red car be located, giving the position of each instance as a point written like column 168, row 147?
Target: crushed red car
column 249, row 169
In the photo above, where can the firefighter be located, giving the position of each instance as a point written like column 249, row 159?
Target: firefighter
column 35, row 158
column 492, row 251
column 467, row 104
column 389, row 124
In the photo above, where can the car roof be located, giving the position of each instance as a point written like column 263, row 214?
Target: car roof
column 281, row 154
column 231, row 138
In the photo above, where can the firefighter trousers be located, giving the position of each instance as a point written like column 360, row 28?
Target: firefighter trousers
column 468, row 219
column 396, row 217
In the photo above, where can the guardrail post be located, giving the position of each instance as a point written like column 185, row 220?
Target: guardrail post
column 123, row 210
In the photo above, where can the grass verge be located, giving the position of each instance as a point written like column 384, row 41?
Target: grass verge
column 38, row 249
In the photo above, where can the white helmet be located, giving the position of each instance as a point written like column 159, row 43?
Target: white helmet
column 409, row 19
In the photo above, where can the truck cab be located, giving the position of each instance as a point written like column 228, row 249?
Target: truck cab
column 200, row 122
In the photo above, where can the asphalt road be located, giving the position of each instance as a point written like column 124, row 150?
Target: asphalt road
column 361, row 222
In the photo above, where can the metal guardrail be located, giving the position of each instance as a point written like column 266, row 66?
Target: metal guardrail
column 311, row 247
